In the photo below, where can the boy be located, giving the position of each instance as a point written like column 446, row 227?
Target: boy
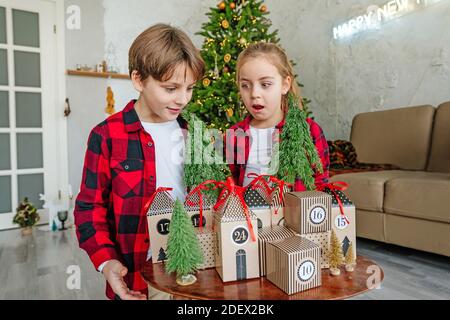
column 130, row 154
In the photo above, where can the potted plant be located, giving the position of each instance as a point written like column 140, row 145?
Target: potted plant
column 26, row 216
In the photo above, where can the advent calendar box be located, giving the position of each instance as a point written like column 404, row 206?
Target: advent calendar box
column 293, row 264
column 236, row 241
column 308, row 212
column 268, row 234
column 158, row 219
column 343, row 221
column 207, row 241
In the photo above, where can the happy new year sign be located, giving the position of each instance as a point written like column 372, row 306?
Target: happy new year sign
column 377, row 15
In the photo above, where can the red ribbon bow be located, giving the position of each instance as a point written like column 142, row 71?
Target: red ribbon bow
column 280, row 184
column 229, row 188
column 198, row 189
column 333, row 186
column 158, row 190
column 260, row 182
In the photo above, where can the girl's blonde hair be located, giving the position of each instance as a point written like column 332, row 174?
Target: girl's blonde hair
column 279, row 59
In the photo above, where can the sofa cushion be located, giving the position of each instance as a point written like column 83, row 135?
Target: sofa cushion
column 423, row 196
column 386, row 136
column 366, row 189
column 440, row 144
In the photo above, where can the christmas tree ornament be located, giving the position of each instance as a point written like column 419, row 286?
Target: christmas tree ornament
column 242, row 41
column 222, row 5
column 263, row 8
column 230, row 112
column 226, row 69
column 206, row 82
column 225, row 24
column 227, row 58
column 232, row 5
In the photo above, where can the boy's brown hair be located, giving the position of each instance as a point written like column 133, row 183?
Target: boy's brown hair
column 157, row 51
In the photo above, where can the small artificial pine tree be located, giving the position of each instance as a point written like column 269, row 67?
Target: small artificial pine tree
column 297, row 156
column 232, row 26
column 201, row 159
column 335, row 255
column 183, row 252
column 26, row 214
column 349, row 259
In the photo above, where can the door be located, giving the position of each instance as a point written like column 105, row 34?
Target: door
column 28, row 123
column 241, row 265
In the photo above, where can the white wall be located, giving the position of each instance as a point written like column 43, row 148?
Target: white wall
column 404, row 63
column 86, row 95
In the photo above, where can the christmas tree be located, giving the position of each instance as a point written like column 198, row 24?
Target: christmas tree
column 232, row 26
column 335, row 254
column 202, row 162
column 183, row 252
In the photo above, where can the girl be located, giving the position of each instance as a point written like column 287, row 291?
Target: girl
column 270, row 94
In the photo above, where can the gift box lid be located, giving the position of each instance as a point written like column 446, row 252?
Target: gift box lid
column 295, row 244
column 346, row 202
column 255, row 198
column 232, row 210
column 163, row 203
column 275, row 196
column 195, row 198
column 274, row 233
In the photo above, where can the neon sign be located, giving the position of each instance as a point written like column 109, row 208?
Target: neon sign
column 375, row 16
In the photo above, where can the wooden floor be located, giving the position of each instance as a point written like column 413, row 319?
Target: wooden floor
column 35, row 267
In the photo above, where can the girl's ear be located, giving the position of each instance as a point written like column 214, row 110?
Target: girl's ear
column 136, row 80
column 286, row 84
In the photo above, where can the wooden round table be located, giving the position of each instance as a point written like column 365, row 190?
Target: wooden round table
column 209, row 285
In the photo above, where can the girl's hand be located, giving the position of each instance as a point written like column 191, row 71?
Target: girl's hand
column 114, row 271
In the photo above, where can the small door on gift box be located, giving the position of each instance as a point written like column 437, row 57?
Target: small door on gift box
column 241, row 265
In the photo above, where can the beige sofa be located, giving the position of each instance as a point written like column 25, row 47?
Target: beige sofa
column 408, row 207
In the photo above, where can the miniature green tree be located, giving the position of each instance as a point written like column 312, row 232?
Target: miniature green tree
column 183, row 252
column 335, row 255
column 202, row 161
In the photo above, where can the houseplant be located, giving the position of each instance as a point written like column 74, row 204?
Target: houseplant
column 26, row 216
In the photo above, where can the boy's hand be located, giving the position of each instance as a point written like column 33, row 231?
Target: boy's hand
column 114, row 271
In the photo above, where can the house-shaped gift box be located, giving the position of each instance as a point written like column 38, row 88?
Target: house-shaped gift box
column 259, row 203
column 192, row 206
column 207, row 241
column 236, row 238
column 158, row 218
column 343, row 220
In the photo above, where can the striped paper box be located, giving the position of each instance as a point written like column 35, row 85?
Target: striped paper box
column 293, row 264
column 265, row 235
column 308, row 212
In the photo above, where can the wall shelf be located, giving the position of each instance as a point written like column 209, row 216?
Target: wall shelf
column 97, row 74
